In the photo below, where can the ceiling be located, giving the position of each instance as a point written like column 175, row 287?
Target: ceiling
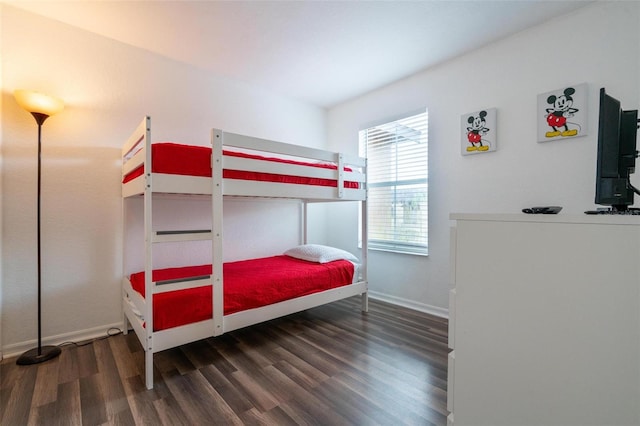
column 321, row 52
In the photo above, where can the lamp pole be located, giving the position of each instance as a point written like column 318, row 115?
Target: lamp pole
column 41, row 107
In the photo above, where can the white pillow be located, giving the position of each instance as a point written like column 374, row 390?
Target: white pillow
column 319, row 253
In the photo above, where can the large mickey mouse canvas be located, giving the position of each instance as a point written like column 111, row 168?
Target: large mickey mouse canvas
column 478, row 130
column 562, row 113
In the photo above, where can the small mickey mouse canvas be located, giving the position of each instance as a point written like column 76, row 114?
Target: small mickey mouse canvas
column 478, row 130
column 562, row 113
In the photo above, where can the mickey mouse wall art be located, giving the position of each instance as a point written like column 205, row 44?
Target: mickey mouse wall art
column 562, row 113
column 478, row 132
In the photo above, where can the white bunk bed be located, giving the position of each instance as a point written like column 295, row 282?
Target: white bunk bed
column 137, row 154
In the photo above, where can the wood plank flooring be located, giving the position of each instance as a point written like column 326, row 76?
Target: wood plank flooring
column 331, row 365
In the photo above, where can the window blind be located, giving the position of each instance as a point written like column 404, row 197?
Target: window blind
column 397, row 177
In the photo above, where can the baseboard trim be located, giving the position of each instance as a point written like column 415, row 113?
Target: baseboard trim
column 91, row 333
column 421, row 307
column 75, row 336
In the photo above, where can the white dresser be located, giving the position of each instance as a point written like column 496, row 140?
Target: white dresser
column 544, row 320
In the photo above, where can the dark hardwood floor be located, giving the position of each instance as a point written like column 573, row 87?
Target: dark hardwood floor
column 331, row 365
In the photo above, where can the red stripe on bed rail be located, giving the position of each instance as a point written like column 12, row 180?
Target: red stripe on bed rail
column 189, row 160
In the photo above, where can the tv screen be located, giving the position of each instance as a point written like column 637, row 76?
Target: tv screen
column 617, row 130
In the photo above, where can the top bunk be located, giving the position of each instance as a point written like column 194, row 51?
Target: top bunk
column 238, row 165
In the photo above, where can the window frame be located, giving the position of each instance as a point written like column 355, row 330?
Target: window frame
column 397, row 245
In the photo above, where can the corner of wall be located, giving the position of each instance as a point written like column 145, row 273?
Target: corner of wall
column 1, row 172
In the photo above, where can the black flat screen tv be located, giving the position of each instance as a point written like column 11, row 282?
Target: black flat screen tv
column 617, row 131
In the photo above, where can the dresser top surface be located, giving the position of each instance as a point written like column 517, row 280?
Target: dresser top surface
column 549, row 218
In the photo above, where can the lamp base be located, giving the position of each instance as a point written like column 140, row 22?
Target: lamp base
column 31, row 356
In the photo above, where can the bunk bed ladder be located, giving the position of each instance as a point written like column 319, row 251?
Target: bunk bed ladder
column 217, row 141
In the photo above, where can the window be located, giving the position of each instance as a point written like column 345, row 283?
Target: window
column 397, row 177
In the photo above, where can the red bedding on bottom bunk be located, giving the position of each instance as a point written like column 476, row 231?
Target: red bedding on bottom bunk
column 247, row 284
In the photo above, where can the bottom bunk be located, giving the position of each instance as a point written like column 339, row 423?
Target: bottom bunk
column 255, row 291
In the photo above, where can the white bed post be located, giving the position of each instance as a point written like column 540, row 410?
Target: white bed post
column 217, row 197
column 125, row 269
column 148, row 257
column 304, row 222
column 365, row 241
column 340, row 163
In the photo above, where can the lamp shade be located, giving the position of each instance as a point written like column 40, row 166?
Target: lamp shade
column 35, row 102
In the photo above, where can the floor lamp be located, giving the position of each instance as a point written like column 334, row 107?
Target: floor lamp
column 41, row 107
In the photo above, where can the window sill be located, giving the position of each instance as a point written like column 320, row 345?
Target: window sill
column 398, row 251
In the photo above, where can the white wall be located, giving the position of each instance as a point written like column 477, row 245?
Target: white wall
column 598, row 44
column 107, row 87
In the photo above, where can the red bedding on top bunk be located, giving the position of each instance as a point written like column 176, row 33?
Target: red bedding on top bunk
column 189, row 160
column 247, row 284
